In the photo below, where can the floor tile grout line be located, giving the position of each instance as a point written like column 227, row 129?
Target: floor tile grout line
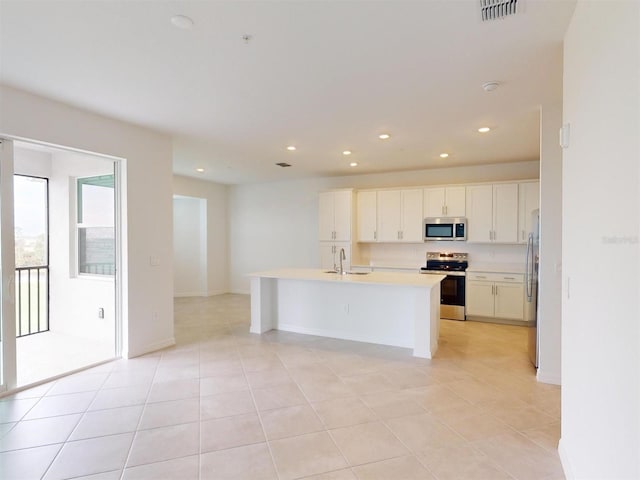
column 135, row 433
column 70, row 433
column 264, row 431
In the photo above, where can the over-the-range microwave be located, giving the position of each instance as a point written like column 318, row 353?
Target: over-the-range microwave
column 445, row 228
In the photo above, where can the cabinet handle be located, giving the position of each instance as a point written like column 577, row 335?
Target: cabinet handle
column 481, row 276
column 490, row 235
column 375, row 235
column 509, row 278
column 522, row 234
column 446, row 209
column 496, row 290
column 492, row 288
column 442, row 209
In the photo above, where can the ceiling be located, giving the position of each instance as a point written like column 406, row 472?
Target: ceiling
column 325, row 76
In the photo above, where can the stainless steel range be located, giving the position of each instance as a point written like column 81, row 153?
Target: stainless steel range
column 452, row 288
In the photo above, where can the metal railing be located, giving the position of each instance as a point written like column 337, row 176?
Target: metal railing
column 32, row 300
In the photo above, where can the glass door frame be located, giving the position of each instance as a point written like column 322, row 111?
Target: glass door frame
column 8, row 354
column 7, row 267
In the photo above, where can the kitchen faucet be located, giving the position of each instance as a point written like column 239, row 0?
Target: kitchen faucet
column 342, row 256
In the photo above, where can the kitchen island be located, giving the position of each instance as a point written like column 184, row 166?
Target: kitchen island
column 388, row 308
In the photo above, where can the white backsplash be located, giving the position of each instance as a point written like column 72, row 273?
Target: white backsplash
column 414, row 255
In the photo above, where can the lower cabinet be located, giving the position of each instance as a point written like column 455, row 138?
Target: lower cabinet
column 330, row 255
column 495, row 295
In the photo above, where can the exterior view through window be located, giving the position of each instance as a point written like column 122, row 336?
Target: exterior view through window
column 96, row 220
column 31, row 205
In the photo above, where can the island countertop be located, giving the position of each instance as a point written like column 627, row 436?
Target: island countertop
column 376, row 278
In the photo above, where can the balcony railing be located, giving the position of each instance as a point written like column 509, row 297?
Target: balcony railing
column 32, row 300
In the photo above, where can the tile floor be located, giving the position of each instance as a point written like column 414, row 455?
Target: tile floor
column 49, row 354
column 225, row 404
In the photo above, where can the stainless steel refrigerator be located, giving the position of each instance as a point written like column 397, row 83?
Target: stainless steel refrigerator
column 531, row 285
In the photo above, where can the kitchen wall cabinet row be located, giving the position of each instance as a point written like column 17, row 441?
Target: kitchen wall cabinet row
column 496, row 213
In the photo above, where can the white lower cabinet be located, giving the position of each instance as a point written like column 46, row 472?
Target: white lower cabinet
column 330, row 255
column 495, row 295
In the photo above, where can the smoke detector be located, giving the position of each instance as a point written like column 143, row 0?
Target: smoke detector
column 490, row 86
column 495, row 9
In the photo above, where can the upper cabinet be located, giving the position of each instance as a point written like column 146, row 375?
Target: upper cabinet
column 444, row 202
column 529, row 201
column 367, row 213
column 492, row 213
column 335, row 215
column 399, row 216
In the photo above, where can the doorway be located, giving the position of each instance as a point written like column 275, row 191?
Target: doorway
column 189, row 246
column 64, row 238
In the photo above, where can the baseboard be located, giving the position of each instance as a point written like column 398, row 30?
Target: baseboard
column 241, row 292
column 189, row 294
column 169, row 342
column 564, row 460
column 549, row 377
column 213, row 293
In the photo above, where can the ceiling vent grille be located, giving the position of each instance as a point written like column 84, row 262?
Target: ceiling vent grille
column 495, row 9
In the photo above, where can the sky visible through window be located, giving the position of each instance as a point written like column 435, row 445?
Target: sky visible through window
column 30, row 220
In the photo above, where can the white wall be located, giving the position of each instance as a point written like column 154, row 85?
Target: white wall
column 75, row 300
column 275, row 224
column 216, row 196
column 147, row 176
column 189, row 246
column 601, row 321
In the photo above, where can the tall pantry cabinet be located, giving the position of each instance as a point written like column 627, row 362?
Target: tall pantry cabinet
column 335, row 227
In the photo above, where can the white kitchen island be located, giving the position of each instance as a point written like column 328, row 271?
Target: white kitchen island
column 388, row 308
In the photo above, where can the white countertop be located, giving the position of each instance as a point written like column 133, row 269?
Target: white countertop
column 377, row 266
column 377, row 278
column 497, row 267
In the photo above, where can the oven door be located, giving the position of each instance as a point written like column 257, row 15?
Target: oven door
column 452, row 295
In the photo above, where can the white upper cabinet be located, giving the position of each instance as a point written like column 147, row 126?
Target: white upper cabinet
column 335, row 215
column 479, row 213
column 529, row 201
column 412, row 217
column 400, row 216
column 444, row 202
column 505, row 213
column 492, row 213
column 367, row 213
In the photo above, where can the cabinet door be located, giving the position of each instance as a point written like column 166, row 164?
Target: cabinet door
column 327, row 255
column 325, row 216
column 367, row 216
column 412, row 218
column 342, row 212
column 509, row 301
column 455, row 205
column 528, row 201
column 505, row 213
column 479, row 298
column 434, row 199
column 479, row 207
column 389, row 208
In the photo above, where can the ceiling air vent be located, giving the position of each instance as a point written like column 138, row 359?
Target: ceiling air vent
column 495, row 9
column 283, row 164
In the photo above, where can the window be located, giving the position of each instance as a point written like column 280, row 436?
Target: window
column 95, row 225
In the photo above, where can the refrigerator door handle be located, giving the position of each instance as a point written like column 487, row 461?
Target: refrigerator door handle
column 529, row 265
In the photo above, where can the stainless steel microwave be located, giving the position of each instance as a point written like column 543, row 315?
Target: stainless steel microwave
column 445, row 228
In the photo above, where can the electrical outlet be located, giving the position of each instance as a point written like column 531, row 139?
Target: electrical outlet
column 101, row 312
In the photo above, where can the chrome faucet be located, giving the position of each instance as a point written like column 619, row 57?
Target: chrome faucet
column 342, row 256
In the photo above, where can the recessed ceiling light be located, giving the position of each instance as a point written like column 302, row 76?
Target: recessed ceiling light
column 182, row 21
column 291, row 148
column 484, row 129
column 200, row 170
column 353, row 164
column 384, row 136
column 444, row 155
column 347, row 152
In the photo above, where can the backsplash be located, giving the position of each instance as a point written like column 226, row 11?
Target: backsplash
column 414, row 255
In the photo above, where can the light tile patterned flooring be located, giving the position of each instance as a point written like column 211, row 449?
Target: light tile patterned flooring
column 227, row 404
